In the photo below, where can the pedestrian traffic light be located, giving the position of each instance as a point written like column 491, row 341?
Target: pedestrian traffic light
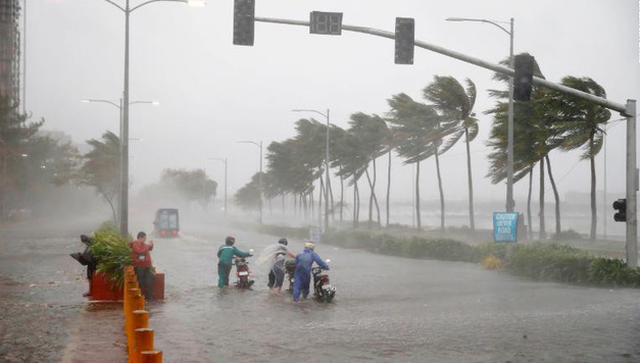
column 405, row 36
column 325, row 23
column 523, row 80
column 620, row 206
column 243, row 21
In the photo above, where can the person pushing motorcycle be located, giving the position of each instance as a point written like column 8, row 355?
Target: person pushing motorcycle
column 302, row 277
column 225, row 256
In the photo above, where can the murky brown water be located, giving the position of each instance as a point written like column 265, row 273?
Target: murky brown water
column 386, row 309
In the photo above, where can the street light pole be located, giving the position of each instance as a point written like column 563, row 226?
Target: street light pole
column 225, row 182
column 326, row 184
column 124, row 137
column 259, row 175
column 510, row 203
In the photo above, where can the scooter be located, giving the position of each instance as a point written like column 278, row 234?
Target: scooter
column 322, row 289
column 243, row 273
column 290, row 271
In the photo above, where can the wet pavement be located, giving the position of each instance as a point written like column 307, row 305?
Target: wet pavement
column 43, row 316
column 387, row 309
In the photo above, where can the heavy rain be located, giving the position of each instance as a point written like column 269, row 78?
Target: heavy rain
column 300, row 181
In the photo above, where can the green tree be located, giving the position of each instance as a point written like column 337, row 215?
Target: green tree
column 455, row 103
column 535, row 136
column 415, row 125
column 15, row 133
column 370, row 133
column 192, row 185
column 248, row 197
column 101, row 167
column 582, row 127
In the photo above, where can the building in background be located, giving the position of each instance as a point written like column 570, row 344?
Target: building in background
column 10, row 50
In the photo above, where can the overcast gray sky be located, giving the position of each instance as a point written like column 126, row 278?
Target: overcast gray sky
column 214, row 93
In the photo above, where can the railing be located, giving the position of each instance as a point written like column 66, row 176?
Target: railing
column 136, row 326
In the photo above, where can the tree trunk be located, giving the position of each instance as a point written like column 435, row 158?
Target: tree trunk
column 417, row 206
column 472, row 224
column 370, row 221
column 441, row 191
column 529, row 219
column 543, row 232
column 375, row 197
column 355, row 201
column 320, row 197
column 594, row 215
column 555, row 196
column 332, row 205
column 341, row 193
column 388, row 186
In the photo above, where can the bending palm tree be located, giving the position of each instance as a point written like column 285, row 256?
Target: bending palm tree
column 582, row 127
column 456, row 104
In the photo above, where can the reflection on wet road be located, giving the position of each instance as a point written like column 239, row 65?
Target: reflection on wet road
column 386, row 309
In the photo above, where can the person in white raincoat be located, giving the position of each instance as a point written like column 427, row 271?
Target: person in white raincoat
column 275, row 256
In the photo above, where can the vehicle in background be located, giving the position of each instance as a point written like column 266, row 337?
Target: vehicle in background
column 167, row 223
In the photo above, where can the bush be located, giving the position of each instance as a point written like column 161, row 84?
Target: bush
column 613, row 271
column 550, row 261
column 113, row 254
column 540, row 261
column 567, row 235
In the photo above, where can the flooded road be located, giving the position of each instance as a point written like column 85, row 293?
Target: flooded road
column 386, row 309
column 43, row 316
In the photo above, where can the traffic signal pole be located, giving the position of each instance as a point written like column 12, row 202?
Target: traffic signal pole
column 632, row 187
column 627, row 110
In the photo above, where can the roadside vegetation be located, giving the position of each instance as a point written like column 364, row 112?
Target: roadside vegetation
column 112, row 251
column 543, row 261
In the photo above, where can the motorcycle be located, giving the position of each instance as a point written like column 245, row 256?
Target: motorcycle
column 243, row 273
column 322, row 289
column 290, row 270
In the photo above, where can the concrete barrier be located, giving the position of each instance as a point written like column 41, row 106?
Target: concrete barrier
column 139, row 335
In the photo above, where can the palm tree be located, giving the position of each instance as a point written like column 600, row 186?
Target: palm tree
column 370, row 133
column 536, row 135
column 348, row 157
column 456, row 104
column 582, row 127
column 417, row 127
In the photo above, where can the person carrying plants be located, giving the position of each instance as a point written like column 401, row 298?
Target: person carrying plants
column 141, row 257
column 302, row 277
column 225, row 257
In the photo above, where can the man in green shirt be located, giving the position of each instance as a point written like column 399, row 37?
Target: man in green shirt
column 225, row 255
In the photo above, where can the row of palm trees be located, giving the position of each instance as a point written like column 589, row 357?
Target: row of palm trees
column 417, row 130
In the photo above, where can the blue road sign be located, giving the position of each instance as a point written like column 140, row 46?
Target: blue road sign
column 505, row 226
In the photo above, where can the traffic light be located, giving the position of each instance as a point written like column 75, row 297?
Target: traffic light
column 405, row 36
column 325, row 23
column 523, row 79
column 621, row 206
column 243, row 21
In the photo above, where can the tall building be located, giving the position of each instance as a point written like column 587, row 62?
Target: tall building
column 10, row 50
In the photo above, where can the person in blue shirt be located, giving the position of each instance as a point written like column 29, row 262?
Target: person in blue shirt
column 302, row 275
column 225, row 255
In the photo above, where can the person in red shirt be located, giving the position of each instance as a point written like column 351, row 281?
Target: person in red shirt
column 141, row 257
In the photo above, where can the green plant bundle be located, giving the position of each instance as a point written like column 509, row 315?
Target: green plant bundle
column 113, row 254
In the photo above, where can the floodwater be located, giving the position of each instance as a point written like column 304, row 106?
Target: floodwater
column 386, row 309
column 43, row 316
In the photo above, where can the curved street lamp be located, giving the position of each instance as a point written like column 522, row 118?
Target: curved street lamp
column 124, row 137
column 510, row 205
